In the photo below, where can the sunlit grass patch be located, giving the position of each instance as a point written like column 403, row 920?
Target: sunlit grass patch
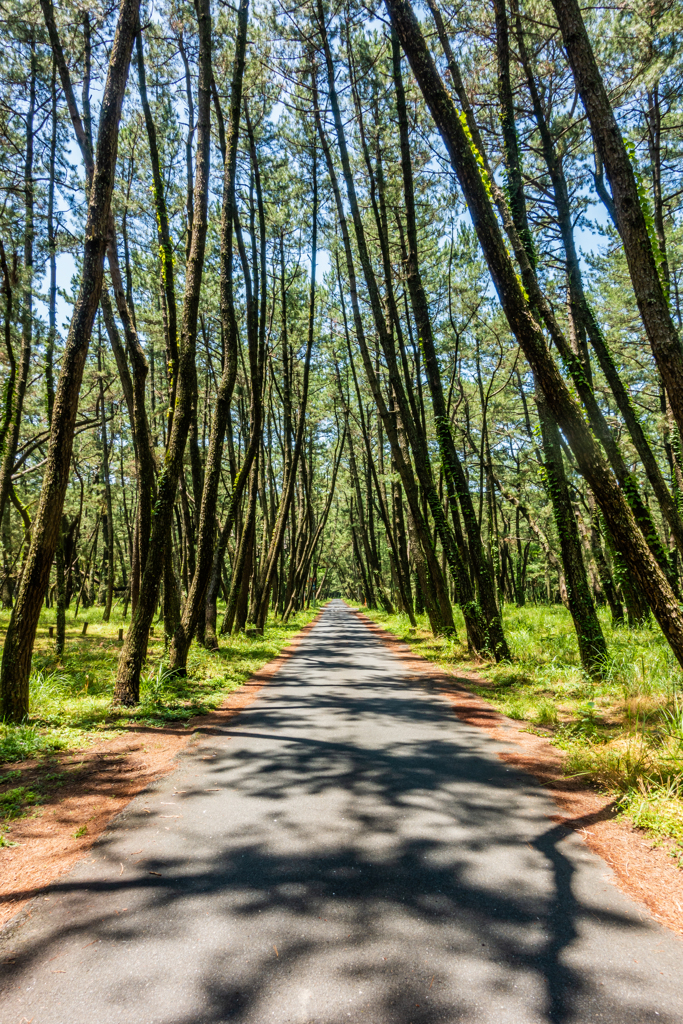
column 15, row 802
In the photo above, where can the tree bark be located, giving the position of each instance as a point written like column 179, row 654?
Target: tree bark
column 302, row 569
column 16, row 660
column 165, row 245
column 442, row 616
column 288, row 484
column 18, row 390
column 643, row 255
column 134, row 650
column 592, row 646
column 242, row 569
column 109, row 534
column 480, row 609
column 212, row 472
column 618, row 515
column 585, row 318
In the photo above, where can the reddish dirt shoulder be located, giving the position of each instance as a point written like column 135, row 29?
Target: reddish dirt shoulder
column 96, row 784
column 646, row 873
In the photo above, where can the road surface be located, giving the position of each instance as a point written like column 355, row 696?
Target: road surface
column 345, row 850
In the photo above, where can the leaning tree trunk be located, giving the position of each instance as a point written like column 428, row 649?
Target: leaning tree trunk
column 164, row 236
column 592, row 646
column 618, row 516
column 134, row 390
column 642, row 252
column 212, row 473
column 480, row 609
column 581, row 309
column 16, row 660
column 127, row 689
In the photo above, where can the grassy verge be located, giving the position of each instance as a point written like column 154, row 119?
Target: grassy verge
column 622, row 733
column 71, row 701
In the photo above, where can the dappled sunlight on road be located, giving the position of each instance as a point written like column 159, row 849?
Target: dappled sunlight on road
column 345, row 850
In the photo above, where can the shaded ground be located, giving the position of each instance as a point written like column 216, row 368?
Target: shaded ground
column 344, row 850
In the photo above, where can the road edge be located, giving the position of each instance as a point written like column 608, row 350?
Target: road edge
column 178, row 745
column 643, row 872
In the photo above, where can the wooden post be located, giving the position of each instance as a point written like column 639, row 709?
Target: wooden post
column 120, row 634
column 85, row 629
column 51, row 630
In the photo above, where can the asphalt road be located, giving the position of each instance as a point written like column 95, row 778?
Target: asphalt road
column 345, row 851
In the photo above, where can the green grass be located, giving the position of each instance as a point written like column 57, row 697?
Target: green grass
column 622, row 733
column 71, row 701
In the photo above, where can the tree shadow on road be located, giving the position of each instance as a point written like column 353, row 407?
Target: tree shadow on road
column 437, row 890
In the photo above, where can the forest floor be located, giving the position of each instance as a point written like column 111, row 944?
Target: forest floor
column 78, row 760
column 622, row 735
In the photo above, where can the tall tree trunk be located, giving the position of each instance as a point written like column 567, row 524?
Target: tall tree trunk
column 484, row 625
column 135, row 645
column 401, row 565
column 307, row 556
column 617, row 514
column 52, row 250
column 11, row 439
column 409, row 414
column 165, row 244
column 212, row 591
column 592, row 646
column 16, row 660
column 134, row 390
column 604, row 574
column 244, row 554
column 585, row 320
column 277, row 538
column 442, row 617
column 60, row 637
column 212, row 473
column 109, row 536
